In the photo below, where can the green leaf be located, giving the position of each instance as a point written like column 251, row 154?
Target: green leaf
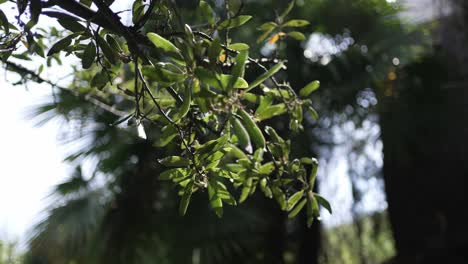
column 313, row 173
column 138, row 9
column 246, row 190
column 309, row 88
column 60, row 45
column 312, row 112
column 224, row 194
column 100, row 80
column 315, row 206
column 210, row 147
column 219, row 81
column 268, row 26
column 265, row 103
column 312, row 208
column 266, row 168
column 185, row 107
column 206, row 12
column 255, row 132
column 239, row 68
column 164, row 44
column 236, row 152
column 113, row 43
column 185, row 201
column 71, row 24
column 168, row 72
column 280, row 197
column 168, row 133
column 89, row 56
column 297, row 208
column 296, row 23
column 4, row 22
column 239, row 46
column 174, row 174
column 271, row 111
column 265, row 188
column 174, row 161
column 234, row 22
column 292, row 201
column 86, row 2
column 241, row 133
column 264, row 35
column 214, row 50
column 215, row 201
column 322, row 201
column 110, row 54
column 296, row 35
column 35, row 9
column 265, row 76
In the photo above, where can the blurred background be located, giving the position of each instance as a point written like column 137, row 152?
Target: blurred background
column 391, row 139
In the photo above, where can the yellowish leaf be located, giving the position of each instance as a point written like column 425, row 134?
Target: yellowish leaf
column 222, row 57
column 275, row 38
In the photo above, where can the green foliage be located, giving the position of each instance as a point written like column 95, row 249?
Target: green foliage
column 9, row 253
column 186, row 91
column 368, row 238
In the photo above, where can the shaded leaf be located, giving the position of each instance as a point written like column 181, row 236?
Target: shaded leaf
column 60, row 45
column 185, row 201
column 322, row 201
column 287, row 10
column 110, row 54
column 265, row 76
column 89, row 56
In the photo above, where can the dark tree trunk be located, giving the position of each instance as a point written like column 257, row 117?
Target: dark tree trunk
column 424, row 122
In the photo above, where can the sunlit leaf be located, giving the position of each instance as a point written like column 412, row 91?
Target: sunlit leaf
column 268, row 26
column 296, row 35
column 174, row 161
column 234, row 22
column 164, row 44
column 309, row 88
column 239, row 46
column 292, row 201
column 297, row 208
column 296, row 23
column 219, row 81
